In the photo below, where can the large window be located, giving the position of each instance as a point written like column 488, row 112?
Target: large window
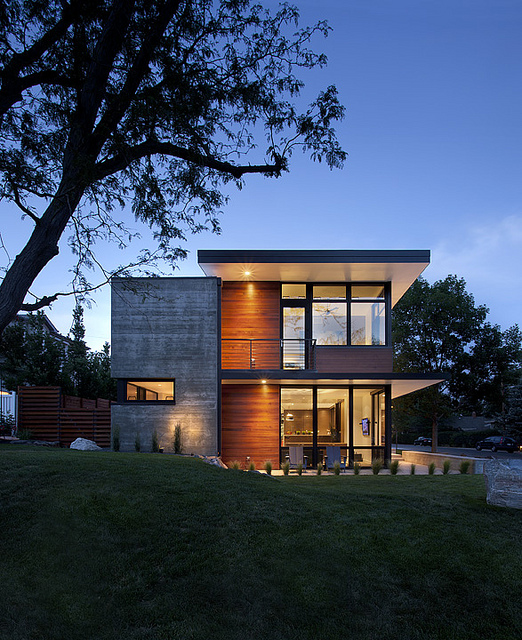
column 334, row 314
column 149, row 391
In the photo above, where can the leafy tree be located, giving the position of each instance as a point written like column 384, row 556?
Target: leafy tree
column 511, row 418
column 492, row 365
column 160, row 103
column 30, row 355
column 432, row 327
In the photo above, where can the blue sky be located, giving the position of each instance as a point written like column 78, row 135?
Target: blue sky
column 433, row 95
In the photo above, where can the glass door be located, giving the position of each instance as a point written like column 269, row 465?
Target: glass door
column 294, row 352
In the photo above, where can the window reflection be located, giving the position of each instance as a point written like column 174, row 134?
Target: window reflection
column 329, row 322
column 367, row 323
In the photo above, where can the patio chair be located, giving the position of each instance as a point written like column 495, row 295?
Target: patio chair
column 333, row 455
column 296, row 457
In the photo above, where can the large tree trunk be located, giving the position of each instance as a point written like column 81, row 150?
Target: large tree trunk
column 39, row 250
column 434, row 433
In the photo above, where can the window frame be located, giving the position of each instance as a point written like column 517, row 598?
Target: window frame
column 122, row 391
column 308, row 305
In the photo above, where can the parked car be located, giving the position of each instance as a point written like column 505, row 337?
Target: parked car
column 423, row 442
column 496, row 443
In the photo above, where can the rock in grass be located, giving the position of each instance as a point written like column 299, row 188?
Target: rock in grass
column 504, row 483
column 83, row 444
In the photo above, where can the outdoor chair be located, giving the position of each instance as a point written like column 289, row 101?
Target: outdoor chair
column 296, row 457
column 333, row 455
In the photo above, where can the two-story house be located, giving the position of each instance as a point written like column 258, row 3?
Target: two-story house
column 270, row 349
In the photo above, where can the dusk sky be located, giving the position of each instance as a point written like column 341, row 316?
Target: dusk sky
column 433, row 95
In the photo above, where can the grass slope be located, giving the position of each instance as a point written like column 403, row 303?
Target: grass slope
column 140, row 546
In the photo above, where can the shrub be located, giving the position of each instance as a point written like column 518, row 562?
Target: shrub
column 394, row 467
column 251, row 465
column 464, row 466
column 376, row 466
column 137, row 441
column 7, row 425
column 155, row 442
column 268, row 467
column 116, row 439
column 235, row 464
column 177, row 445
column 319, row 469
column 25, row 434
column 446, row 467
column 337, row 467
column 431, row 468
column 300, row 469
column 412, row 470
column 356, row 469
column 286, row 468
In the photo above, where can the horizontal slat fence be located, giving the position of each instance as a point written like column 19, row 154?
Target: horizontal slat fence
column 49, row 415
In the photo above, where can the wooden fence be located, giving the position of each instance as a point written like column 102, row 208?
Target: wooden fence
column 50, row 415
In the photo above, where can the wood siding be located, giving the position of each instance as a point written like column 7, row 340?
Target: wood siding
column 354, row 360
column 250, row 423
column 250, row 311
column 51, row 416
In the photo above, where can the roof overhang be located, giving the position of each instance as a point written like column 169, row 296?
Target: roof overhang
column 400, row 267
column 401, row 383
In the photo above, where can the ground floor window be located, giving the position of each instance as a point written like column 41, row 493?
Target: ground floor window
column 352, row 418
column 146, row 391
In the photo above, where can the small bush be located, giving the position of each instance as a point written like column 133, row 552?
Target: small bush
column 116, row 439
column 235, row 464
column 337, row 467
column 376, row 466
column 300, row 469
column 319, row 469
column 394, row 467
column 27, row 434
column 446, row 467
column 268, row 467
column 137, row 441
column 431, row 468
column 251, row 465
column 177, row 444
column 464, row 466
column 412, row 470
column 286, row 468
column 356, row 469
column 155, row 442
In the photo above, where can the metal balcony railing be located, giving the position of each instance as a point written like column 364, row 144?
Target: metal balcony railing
column 291, row 354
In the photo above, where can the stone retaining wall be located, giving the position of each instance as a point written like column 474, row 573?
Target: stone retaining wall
column 426, row 457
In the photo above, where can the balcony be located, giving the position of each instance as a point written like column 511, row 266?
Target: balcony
column 292, row 355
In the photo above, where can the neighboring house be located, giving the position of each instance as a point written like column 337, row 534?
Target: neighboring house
column 271, row 349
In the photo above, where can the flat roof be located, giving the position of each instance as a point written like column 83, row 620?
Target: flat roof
column 400, row 267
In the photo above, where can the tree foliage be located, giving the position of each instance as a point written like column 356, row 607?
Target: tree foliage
column 30, row 354
column 439, row 329
column 156, row 103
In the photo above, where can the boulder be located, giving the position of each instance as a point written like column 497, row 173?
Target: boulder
column 504, row 483
column 84, row 445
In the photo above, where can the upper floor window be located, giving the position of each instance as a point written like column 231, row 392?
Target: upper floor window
column 337, row 314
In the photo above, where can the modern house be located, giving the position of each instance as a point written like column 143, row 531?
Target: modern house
column 269, row 349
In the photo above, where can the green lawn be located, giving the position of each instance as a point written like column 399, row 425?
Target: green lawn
column 128, row 546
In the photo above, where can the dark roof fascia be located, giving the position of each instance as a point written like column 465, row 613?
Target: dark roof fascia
column 314, row 256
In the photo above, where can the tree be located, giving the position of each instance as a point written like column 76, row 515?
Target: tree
column 157, row 102
column 29, row 354
column 433, row 325
column 492, row 365
column 511, row 418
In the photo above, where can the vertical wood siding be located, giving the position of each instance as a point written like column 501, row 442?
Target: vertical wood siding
column 250, row 423
column 250, row 311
